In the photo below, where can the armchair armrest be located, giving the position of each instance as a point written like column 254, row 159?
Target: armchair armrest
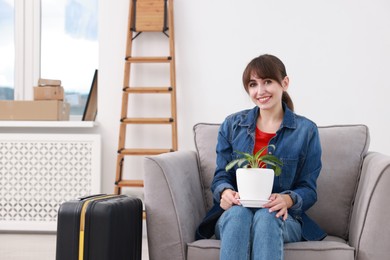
column 174, row 203
column 369, row 223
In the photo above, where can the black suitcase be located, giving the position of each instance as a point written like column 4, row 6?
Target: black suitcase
column 100, row 227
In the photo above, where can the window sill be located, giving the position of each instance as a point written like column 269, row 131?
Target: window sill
column 49, row 124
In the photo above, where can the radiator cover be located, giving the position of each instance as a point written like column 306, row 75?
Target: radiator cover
column 40, row 171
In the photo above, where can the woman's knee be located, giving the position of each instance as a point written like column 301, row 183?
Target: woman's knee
column 235, row 219
column 239, row 213
column 265, row 218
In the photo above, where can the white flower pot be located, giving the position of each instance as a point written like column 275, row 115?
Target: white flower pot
column 255, row 183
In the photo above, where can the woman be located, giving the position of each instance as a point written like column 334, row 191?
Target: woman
column 260, row 233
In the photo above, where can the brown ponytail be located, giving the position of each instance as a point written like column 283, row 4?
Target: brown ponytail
column 287, row 99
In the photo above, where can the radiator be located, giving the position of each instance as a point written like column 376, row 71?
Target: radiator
column 40, row 171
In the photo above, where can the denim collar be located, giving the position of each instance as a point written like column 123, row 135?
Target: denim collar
column 289, row 118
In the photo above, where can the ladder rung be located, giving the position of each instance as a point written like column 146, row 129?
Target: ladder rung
column 131, row 183
column 148, row 90
column 147, row 120
column 144, row 151
column 148, row 59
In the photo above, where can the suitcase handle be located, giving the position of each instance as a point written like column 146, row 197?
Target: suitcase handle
column 91, row 196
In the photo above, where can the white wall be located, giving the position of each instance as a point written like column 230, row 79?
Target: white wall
column 337, row 55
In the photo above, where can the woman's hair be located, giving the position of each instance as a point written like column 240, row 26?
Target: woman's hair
column 267, row 66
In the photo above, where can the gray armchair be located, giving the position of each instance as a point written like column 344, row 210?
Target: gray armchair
column 352, row 202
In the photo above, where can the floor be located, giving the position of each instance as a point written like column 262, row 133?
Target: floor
column 18, row 246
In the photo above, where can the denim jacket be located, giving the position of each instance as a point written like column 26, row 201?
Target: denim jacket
column 297, row 145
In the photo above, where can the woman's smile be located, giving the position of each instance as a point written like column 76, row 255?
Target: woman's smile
column 263, row 100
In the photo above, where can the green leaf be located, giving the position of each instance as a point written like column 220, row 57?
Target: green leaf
column 239, row 162
column 270, row 158
column 278, row 171
column 248, row 156
column 230, row 165
column 257, row 155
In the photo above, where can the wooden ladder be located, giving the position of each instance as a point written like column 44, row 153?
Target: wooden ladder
column 146, row 16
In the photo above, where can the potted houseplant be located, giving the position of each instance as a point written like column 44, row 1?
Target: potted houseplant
column 255, row 176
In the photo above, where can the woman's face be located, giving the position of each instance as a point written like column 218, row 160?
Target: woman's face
column 266, row 93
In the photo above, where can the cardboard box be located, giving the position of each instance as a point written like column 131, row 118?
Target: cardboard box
column 42, row 110
column 49, row 82
column 48, row 93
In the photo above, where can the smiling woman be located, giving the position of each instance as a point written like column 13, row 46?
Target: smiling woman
column 260, row 231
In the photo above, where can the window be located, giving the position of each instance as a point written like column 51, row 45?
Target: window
column 54, row 39
column 69, row 47
column 7, row 50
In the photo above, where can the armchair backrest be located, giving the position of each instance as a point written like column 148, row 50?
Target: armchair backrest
column 343, row 150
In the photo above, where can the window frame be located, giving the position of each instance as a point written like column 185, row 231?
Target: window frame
column 27, row 47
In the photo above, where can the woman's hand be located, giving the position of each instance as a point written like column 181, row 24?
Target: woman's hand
column 229, row 198
column 280, row 203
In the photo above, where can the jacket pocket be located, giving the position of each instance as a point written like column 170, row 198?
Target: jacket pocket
column 289, row 170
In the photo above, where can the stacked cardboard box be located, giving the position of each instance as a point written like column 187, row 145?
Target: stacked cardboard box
column 48, row 104
column 49, row 89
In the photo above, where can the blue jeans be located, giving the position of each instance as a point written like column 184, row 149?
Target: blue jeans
column 252, row 233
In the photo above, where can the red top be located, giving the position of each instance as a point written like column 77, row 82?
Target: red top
column 262, row 139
